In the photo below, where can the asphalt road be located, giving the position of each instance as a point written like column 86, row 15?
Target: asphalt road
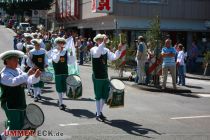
column 146, row 115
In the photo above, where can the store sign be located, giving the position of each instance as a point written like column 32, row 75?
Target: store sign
column 102, row 6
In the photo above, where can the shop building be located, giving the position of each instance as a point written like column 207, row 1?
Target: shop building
column 185, row 21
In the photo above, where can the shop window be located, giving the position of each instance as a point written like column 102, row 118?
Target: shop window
column 154, row 1
column 127, row 1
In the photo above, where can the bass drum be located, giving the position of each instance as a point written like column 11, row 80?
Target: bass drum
column 116, row 93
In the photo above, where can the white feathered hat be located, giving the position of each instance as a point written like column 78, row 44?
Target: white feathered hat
column 100, row 36
column 28, row 35
column 30, row 46
column 11, row 53
column 36, row 41
column 60, row 39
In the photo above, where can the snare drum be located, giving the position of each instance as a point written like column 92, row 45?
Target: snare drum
column 116, row 93
column 34, row 117
column 73, row 87
column 46, row 77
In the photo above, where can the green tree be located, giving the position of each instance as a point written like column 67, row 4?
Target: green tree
column 19, row 7
column 153, row 37
column 206, row 62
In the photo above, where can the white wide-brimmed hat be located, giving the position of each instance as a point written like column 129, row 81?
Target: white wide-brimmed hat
column 30, row 46
column 28, row 35
column 11, row 53
column 100, row 36
column 60, row 39
column 34, row 34
column 36, row 41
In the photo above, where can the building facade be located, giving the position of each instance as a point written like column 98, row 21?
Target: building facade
column 184, row 20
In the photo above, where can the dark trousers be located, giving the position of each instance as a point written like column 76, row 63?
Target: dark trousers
column 81, row 58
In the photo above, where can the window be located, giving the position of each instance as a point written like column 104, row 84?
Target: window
column 127, row 1
column 154, row 1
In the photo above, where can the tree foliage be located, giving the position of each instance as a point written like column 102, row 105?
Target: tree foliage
column 154, row 34
column 20, row 7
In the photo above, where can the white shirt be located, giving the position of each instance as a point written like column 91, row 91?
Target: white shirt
column 37, row 52
column 24, row 62
column 56, row 56
column 15, row 77
column 96, row 52
column 181, row 57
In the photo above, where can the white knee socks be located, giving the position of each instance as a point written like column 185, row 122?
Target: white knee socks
column 60, row 98
column 102, row 102
column 99, row 106
column 98, row 110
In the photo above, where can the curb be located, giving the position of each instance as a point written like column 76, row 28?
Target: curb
column 197, row 77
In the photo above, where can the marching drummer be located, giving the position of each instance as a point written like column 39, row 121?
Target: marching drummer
column 61, row 58
column 38, row 60
column 100, row 54
column 28, row 37
column 12, row 95
column 25, row 66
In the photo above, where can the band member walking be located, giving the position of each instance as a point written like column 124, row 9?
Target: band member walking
column 12, row 97
column 25, row 66
column 100, row 54
column 61, row 58
column 38, row 59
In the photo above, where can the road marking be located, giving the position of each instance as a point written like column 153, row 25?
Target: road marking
column 204, row 95
column 76, row 124
column 70, row 124
column 192, row 117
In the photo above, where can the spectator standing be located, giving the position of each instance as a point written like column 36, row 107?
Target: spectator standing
column 168, row 55
column 141, row 58
column 193, row 54
column 181, row 65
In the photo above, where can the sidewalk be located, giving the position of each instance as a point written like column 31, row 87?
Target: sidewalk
column 199, row 77
column 192, row 89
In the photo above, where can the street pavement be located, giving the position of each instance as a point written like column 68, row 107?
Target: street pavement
column 146, row 114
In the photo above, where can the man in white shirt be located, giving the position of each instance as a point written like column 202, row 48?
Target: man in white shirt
column 60, row 59
column 12, row 96
column 100, row 54
column 39, row 60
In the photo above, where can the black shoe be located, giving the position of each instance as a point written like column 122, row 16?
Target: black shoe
column 35, row 99
column 29, row 94
column 100, row 118
column 103, row 116
column 39, row 97
column 62, row 107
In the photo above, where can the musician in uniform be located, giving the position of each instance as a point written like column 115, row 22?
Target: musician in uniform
column 61, row 58
column 28, row 37
column 12, row 97
column 100, row 54
column 38, row 60
column 25, row 66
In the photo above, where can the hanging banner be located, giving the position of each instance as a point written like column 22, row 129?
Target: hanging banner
column 64, row 8
column 102, row 6
column 68, row 8
column 60, row 5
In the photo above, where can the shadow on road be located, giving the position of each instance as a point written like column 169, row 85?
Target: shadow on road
column 47, row 91
column 131, row 128
column 82, row 113
column 80, row 99
column 196, row 87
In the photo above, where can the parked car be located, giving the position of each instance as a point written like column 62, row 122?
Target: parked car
column 24, row 26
